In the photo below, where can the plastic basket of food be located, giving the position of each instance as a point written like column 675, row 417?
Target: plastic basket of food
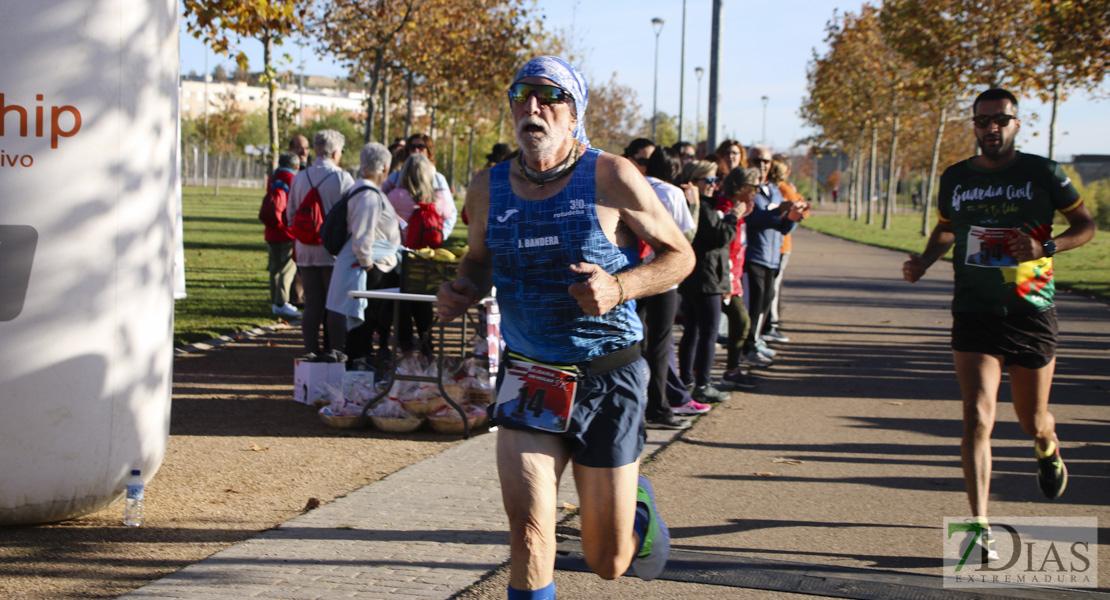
column 340, row 421
column 447, row 419
column 422, row 271
column 397, row 424
column 390, row 415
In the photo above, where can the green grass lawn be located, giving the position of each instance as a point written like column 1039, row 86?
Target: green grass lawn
column 1085, row 269
column 225, row 265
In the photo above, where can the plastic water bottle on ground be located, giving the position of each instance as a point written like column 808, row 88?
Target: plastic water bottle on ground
column 133, row 508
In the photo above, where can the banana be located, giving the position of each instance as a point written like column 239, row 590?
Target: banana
column 444, row 255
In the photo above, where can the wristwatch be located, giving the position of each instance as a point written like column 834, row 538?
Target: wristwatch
column 1049, row 248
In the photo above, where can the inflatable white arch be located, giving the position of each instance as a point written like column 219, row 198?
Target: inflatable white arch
column 88, row 153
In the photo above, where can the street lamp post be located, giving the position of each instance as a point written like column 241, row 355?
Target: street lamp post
column 765, row 100
column 656, row 24
column 682, row 76
column 698, row 72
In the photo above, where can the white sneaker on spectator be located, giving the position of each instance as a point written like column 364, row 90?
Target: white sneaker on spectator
column 762, row 348
column 775, row 336
column 756, row 359
column 286, row 310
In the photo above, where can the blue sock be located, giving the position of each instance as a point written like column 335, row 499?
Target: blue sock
column 640, row 525
column 546, row 593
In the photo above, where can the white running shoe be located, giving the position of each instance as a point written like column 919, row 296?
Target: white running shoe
column 287, row 310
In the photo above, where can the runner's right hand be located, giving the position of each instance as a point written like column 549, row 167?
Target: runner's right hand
column 914, row 268
column 454, row 297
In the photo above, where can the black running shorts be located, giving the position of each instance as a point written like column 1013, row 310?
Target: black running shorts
column 1024, row 340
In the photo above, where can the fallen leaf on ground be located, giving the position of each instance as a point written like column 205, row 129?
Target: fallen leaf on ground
column 258, row 448
column 764, row 474
column 233, row 491
column 788, row 461
column 312, row 503
column 569, row 506
column 897, row 403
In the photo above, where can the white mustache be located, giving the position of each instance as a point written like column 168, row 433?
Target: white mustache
column 529, row 121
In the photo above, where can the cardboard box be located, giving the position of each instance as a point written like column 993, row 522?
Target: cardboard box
column 309, row 379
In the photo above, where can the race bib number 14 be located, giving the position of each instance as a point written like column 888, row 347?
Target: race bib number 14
column 538, row 396
column 986, row 247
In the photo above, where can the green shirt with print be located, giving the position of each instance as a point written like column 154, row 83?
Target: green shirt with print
column 985, row 207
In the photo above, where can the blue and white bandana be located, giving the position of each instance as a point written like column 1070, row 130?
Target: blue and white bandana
column 564, row 75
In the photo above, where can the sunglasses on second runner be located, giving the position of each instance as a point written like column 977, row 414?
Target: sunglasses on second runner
column 545, row 94
column 984, row 121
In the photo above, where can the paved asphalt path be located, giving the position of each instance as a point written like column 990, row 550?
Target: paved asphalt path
column 832, row 479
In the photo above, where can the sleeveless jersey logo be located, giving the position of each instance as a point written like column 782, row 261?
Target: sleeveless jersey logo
column 577, row 207
column 508, row 213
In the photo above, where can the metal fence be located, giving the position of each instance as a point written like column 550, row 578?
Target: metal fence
column 199, row 168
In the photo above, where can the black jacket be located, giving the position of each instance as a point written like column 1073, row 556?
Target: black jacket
column 711, row 243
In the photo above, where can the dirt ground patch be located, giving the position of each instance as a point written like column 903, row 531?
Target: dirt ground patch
column 242, row 457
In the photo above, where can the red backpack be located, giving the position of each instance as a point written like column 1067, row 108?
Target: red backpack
column 272, row 211
column 425, row 228
column 310, row 215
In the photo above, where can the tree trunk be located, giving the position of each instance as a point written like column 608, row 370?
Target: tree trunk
column 1052, row 123
column 408, row 110
column 874, row 166
column 930, row 186
column 470, row 156
column 816, row 190
column 892, row 187
column 375, row 77
column 432, row 125
column 451, row 178
column 219, row 164
column 271, row 108
column 500, row 124
column 385, row 108
column 849, row 198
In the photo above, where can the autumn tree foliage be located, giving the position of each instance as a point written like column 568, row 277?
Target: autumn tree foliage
column 222, row 127
column 216, row 22
column 940, row 53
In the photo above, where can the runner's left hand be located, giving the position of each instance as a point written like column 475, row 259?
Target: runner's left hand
column 1023, row 247
column 596, row 291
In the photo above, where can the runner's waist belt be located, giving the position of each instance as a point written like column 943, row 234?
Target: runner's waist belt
column 597, row 366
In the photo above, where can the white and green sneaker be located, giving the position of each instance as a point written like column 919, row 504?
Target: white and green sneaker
column 656, row 546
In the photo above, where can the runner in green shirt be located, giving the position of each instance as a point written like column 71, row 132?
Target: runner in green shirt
column 997, row 209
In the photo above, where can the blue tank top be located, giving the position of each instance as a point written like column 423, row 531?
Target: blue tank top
column 533, row 244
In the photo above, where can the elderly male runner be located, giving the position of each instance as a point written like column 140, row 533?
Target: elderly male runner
column 997, row 209
column 555, row 231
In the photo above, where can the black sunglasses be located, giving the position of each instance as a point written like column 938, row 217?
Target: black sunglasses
column 640, row 161
column 984, row 121
column 545, row 94
column 685, row 156
column 709, row 180
column 760, row 160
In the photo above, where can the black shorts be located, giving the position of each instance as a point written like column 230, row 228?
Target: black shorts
column 1024, row 340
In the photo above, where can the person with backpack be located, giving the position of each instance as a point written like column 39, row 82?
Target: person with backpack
column 314, row 191
column 421, row 144
column 423, row 210
column 368, row 258
column 279, row 239
column 416, row 194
